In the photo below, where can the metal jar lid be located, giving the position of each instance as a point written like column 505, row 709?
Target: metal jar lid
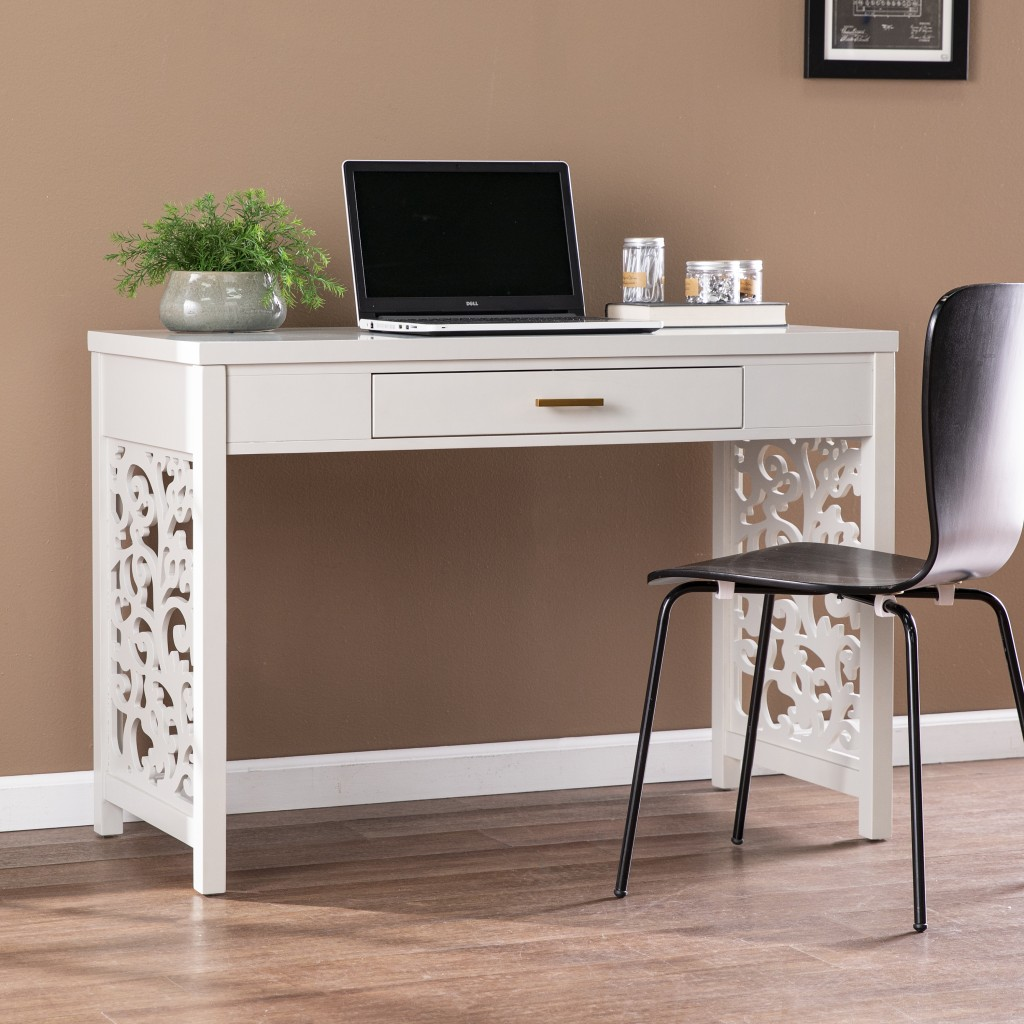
column 723, row 266
column 644, row 243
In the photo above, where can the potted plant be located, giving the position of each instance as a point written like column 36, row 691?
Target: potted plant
column 231, row 267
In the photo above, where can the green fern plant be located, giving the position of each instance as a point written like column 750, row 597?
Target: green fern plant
column 249, row 233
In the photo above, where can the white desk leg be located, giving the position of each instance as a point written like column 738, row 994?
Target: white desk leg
column 725, row 766
column 160, row 592
column 821, row 729
column 207, row 425
column 877, row 514
column 109, row 818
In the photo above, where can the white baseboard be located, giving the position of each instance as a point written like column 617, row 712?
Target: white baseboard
column 383, row 776
column 53, row 800
column 961, row 736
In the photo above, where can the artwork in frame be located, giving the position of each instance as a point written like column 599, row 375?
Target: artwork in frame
column 886, row 38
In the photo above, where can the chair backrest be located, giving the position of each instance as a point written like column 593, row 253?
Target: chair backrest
column 973, row 427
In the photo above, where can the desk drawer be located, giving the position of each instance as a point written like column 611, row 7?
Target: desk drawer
column 280, row 407
column 493, row 402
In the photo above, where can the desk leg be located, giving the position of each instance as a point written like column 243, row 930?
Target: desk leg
column 878, row 530
column 726, row 684
column 160, row 617
column 207, row 415
column 827, row 716
column 108, row 817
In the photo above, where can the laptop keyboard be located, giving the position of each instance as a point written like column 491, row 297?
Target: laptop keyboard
column 549, row 318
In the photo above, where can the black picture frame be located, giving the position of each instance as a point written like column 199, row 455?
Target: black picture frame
column 863, row 21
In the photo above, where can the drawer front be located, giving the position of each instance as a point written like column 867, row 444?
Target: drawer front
column 283, row 407
column 505, row 402
column 821, row 396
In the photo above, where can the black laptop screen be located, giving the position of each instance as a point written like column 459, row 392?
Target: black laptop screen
column 463, row 233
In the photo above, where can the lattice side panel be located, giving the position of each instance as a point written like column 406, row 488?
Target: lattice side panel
column 788, row 491
column 150, row 724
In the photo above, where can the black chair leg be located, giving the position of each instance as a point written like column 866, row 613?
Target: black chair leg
column 1009, row 648
column 646, row 725
column 914, row 736
column 753, row 716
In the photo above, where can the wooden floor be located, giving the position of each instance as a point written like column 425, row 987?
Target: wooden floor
column 500, row 909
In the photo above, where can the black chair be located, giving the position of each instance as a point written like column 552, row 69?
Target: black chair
column 973, row 422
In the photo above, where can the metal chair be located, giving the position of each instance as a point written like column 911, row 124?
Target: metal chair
column 972, row 419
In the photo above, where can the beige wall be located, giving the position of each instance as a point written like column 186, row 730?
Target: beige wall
column 463, row 596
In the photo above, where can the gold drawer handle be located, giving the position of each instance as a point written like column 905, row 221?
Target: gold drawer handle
column 548, row 403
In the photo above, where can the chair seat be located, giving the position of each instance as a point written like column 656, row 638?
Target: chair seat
column 804, row 568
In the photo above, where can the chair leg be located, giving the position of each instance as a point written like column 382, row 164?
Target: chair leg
column 753, row 716
column 914, row 735
column 646, row 725
column 1009, row 648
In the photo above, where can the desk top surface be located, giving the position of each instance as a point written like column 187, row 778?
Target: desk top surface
column 348, row 345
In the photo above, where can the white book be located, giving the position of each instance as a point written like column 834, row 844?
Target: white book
column 692, row 314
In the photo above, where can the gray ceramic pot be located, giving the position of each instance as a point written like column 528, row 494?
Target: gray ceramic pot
column 220, row 301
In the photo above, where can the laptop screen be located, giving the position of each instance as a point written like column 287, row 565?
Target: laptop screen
column 468, row 237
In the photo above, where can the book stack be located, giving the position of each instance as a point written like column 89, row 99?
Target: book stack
column 691, row 314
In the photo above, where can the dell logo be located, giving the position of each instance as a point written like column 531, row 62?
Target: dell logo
column 470, row 302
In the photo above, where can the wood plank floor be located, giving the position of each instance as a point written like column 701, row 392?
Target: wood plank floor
column 500, row 909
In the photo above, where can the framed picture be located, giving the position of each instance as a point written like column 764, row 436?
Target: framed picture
column 886, row 38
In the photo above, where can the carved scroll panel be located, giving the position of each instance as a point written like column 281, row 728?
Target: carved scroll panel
column 149, row 685
column 786, row 491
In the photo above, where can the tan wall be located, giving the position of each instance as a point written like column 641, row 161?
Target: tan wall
column 420, row 598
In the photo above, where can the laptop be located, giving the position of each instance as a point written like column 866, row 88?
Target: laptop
column 460, row 247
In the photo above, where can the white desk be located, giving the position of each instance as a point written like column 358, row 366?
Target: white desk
column 169, row 409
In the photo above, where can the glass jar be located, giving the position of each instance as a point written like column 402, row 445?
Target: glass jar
column 643, row 270
column 709, row 281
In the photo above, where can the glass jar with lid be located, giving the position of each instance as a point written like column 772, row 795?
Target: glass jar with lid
column 643, row 270
column 710, row 281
